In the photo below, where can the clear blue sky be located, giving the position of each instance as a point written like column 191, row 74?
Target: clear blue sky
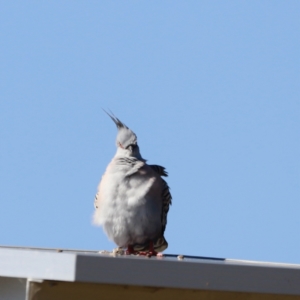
column 211, row 88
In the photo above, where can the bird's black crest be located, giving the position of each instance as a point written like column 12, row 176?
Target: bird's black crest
column 116, row 120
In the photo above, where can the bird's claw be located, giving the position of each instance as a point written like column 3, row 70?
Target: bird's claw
column 148, row 253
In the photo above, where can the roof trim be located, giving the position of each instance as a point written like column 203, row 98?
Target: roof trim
column 168, row 272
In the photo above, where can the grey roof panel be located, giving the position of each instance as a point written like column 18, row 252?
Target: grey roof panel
column 37, row 264
column 190, row 273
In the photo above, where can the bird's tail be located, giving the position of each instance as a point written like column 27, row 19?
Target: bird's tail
column 159, row 245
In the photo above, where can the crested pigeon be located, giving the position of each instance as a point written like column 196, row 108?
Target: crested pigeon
column 132, row 201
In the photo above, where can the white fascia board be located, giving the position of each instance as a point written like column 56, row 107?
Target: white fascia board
column 37, row 264
column 203, row 274
column 167, row 272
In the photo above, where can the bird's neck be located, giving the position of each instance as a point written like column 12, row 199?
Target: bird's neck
column 125, row 153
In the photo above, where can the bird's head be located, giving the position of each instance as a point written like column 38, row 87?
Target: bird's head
column 126, row 139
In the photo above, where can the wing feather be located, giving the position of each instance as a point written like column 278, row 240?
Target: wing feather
column 167, row 201
column 159, row 170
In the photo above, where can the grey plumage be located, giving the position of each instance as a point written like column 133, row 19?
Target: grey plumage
column 159, row 170
column 133, row 200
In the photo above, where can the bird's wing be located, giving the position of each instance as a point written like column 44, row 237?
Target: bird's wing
column 166, row 195
column 160, row 244
column 166, row 202
column 159, row 170
column 95, row 201
column 98, row 200
column 97, row 213
column 131, row 165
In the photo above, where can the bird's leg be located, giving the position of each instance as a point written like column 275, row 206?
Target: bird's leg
column 151, row 251
column 130, row 250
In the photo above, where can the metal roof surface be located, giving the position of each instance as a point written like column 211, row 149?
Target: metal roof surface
column 169, row 271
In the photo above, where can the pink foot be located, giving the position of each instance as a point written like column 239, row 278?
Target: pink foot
column 151, row 251
column 130, row 250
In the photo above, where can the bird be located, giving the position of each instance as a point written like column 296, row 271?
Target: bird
column 132, row 199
